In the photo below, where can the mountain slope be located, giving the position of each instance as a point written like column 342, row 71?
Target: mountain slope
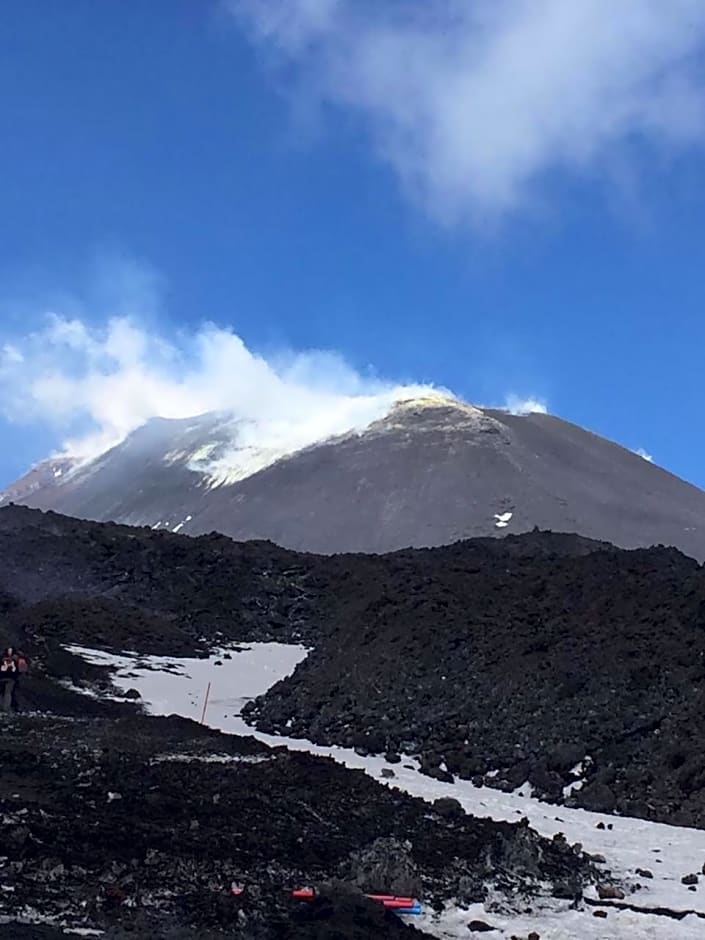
column 511, row 659
column 515, row 660
column 165, row 829
column 431, row 472
column 172, row 814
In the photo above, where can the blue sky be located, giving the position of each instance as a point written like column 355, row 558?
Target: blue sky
column 178, row 162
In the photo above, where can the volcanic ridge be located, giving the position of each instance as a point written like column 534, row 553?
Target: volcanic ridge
column 433, row 471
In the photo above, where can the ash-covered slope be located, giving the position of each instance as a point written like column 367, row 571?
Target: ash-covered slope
column 521, row 655
column 431, row 472
column 513, row 661
column 139, row 826
column 170, row 813
column 129, row 588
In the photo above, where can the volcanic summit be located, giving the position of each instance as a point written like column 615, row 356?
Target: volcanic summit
column 431, row 471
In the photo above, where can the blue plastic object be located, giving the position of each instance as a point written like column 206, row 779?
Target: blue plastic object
column 416, row 909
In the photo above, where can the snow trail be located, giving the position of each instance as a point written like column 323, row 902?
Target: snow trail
column 170, row 685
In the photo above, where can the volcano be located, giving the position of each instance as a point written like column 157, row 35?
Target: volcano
column 432, row 471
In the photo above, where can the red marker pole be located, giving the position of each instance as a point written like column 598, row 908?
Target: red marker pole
column 205, row 703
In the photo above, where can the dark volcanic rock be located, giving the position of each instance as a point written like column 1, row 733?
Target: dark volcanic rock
column 448, row 807
column 518, row 657
column 598, row 797
column 385, row 862
column 120, row 588
column 342, row 914
column 160, row 859
column 515, row 657
column 609, row 892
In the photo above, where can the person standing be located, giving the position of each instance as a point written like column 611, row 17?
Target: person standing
column 21, row 668
column 8, row 675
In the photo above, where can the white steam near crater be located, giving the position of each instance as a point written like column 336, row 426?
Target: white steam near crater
column 525, row 406
column 94, row 385
column 97, row 384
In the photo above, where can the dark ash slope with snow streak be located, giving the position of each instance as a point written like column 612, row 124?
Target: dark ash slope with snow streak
column 431, row 472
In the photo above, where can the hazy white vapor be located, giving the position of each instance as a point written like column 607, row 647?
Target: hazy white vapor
column 472, row 101
column 97, row 384
column 525, row 406
column 645, row 454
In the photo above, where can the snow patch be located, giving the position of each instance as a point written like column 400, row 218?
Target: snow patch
column 578, row 772
column 644, row 454
column 570, row 788
column 555, row 921
column 212, row 758
column 169, row 685
column 180, row 525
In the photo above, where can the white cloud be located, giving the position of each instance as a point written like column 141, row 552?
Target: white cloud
column 96, row 384
column 517, row 405
column 473, row 101
column 645, row 454
column 10, row 354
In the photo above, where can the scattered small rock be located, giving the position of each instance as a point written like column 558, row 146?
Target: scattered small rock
column 566, row 891
column 387, row 772
column 599, row 798
column 599, row 913
column 132, row 694
column 610, row 893
column 644, row 873
column 600, row 825
column 443, row 775
column 448, row 806
column 479, row 926
column 689, row 879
